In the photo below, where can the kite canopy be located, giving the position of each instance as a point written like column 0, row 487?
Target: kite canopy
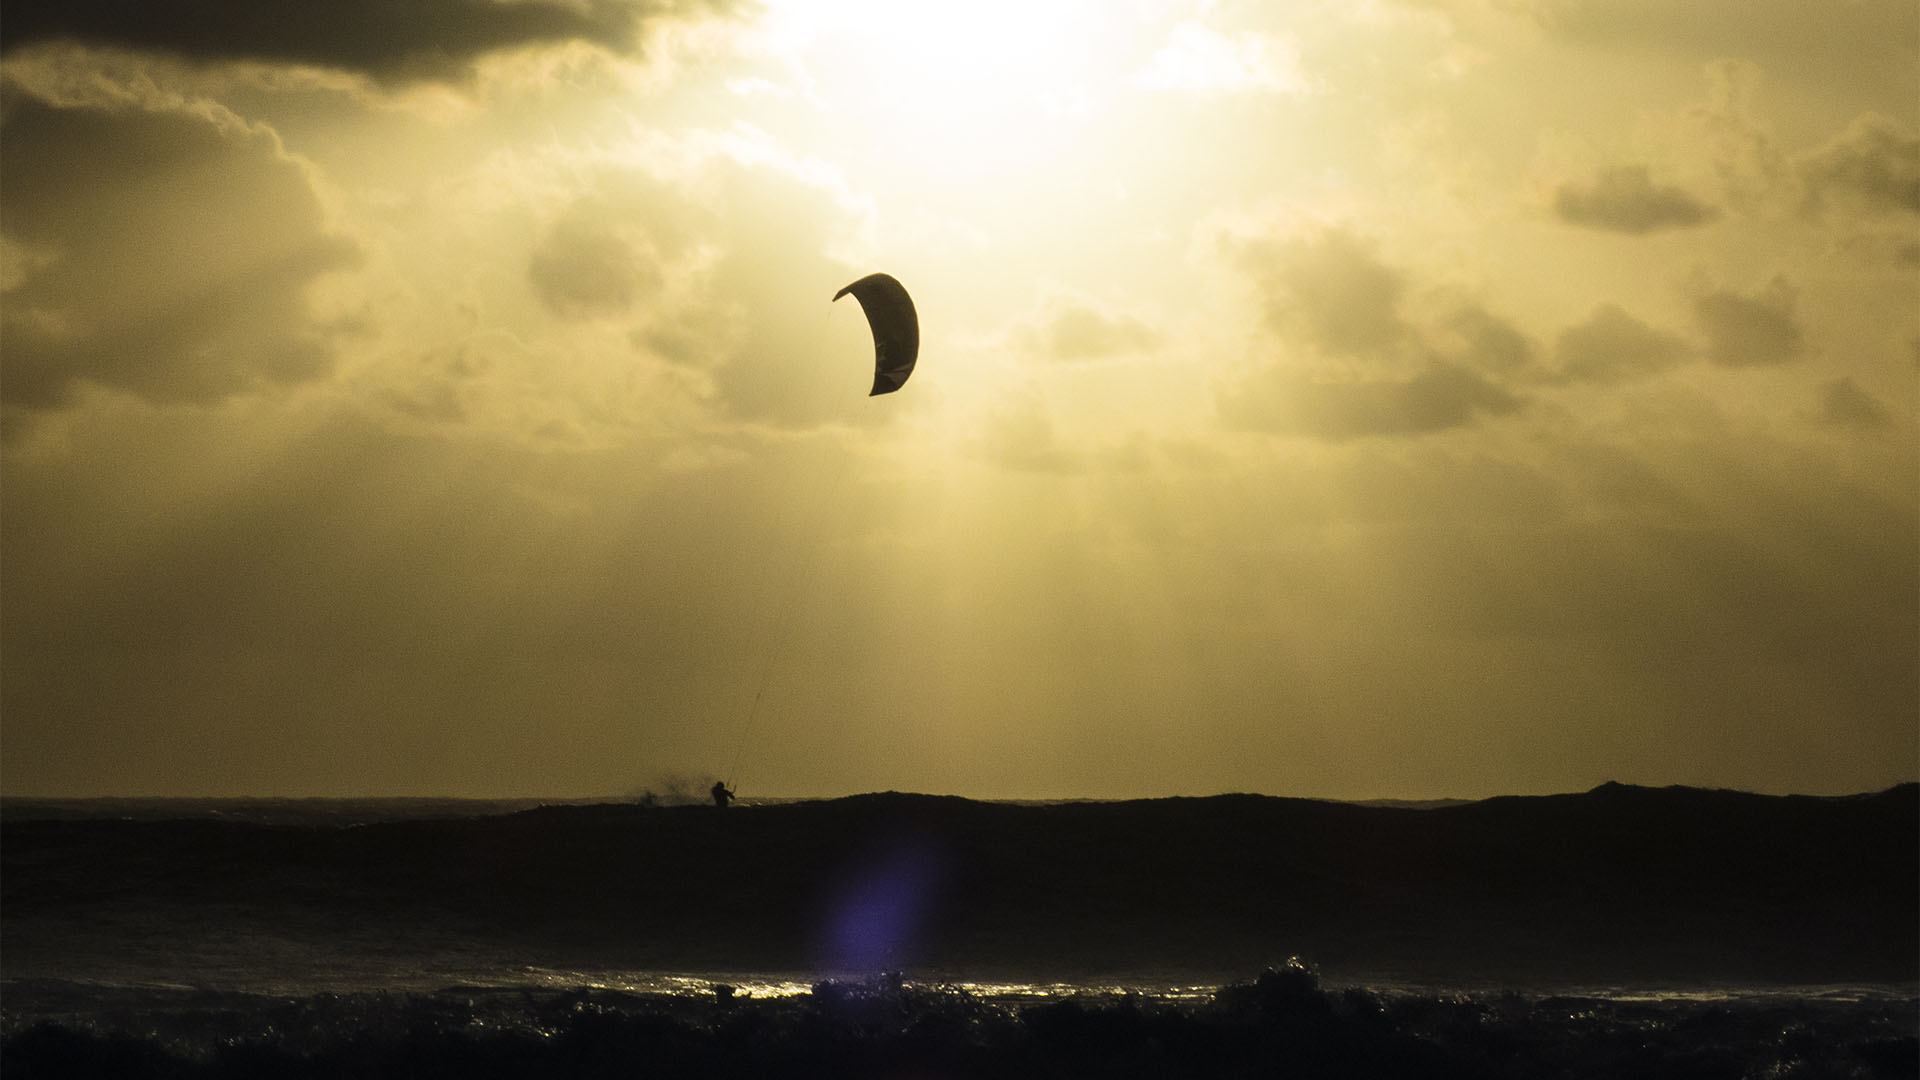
column 896, row 329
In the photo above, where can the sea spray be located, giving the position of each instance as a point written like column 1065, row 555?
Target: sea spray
column 1283, row 1022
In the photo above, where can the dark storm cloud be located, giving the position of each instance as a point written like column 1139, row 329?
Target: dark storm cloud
column 1875, row 163
column 168, row 254
column 1441, row 397
column 1844, row 404
column 1624, row 199
column 1751, row 331
column 1613, row 346
column 386, row 39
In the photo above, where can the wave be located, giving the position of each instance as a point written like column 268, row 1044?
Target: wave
column 1616, row 885
column 1285, row 1022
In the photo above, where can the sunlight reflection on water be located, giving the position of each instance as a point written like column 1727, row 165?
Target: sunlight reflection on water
column 792, row 984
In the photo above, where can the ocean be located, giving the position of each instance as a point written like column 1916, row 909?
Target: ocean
column 914, row 936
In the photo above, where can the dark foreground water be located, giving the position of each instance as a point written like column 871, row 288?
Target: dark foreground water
column 1284, row 1022
column 1616, row 933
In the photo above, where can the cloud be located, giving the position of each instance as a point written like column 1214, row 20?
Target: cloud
column 1022, row 437
column 701, row 266
column 1844, row 404
column 1076, row 332
column 745, row 237
column 1862, row 43
column 170, row 255
column 1441, row 397
column 1896, row 247
column 1624, row 199
column 1728, row 135
column 1331, row 290
column 1333, row 287
column 1751, row 331
column 592, row 263
column 1874, row 164
column 1376, row 373
column 1613, row 346
column 386, row 39
column 1477, row 337
column 1198, row 59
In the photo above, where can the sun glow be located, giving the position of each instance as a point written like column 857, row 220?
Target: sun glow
column 961, row 91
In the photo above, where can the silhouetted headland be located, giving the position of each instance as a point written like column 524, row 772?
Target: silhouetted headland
column 1615, row 884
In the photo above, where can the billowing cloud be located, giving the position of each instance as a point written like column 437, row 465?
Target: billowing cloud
column 1332, row 286
column 593, row 261
column 1875, row 163
column 1625, row 199
column 696, row 271
column 385, row 40
column 1613, row 346
column 191, row 289
column 1357, row 365
column 1751, row 331
column 1441, row 397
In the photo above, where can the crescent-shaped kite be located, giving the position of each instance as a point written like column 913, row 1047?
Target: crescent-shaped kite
column 895, row 325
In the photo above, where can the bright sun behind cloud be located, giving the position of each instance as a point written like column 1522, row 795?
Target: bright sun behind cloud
column 1336, row 399
column 967, row 91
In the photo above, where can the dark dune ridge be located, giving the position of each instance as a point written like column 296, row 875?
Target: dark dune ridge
column 1618, row 884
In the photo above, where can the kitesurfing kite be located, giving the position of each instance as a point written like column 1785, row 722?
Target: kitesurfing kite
column 896, row 329
column 896, row 345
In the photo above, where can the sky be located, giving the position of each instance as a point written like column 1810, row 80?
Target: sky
column 1393, row 398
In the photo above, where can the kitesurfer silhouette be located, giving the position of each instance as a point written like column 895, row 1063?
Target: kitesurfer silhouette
column 721, row 796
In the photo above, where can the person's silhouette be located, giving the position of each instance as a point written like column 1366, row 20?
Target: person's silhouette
column 721, row 796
